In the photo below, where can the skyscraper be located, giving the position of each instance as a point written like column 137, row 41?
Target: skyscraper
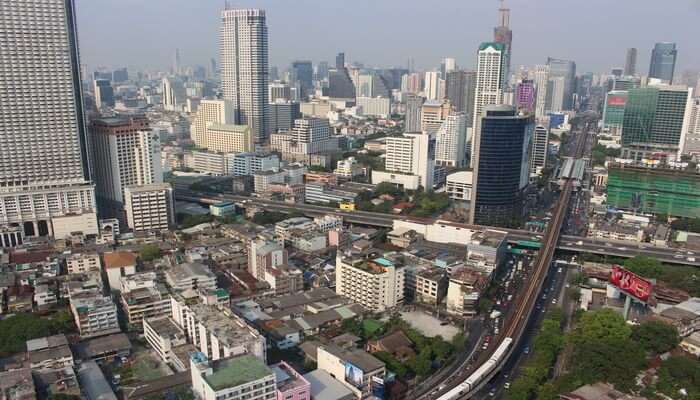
column 663, row 61
column 655, row 122
column 490, row 78
column 104, row 94
column 565, row 69
column 631, row 62
column 340, row 85
column 503, row 34
column 177, row 64
column 541, row 79
column 525, row 96
column 538, row 150
column 44, row 169
column 456, row 89
column 244, row 66
column 174, row 94
column 303, row 72
column 125, row 152
column 447, row 65
column 501, row 165
column 432, row 85
column 414, row 105
column 451, row 139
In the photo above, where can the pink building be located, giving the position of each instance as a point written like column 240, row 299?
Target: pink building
column 290, row 384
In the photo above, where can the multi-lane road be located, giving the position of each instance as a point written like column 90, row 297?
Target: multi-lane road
column 570, row 243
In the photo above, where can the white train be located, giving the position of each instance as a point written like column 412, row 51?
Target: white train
column 484, row 370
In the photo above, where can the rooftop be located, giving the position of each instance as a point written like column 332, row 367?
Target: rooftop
column 228, row 328
column 325, row 387
column 189, row 270
column 165, row 327
column 119, row 259
column 90, row 348
column 47, row 342
column 237, row 371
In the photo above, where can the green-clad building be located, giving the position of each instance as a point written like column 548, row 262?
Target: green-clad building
column 653, row 121
column 657, row 190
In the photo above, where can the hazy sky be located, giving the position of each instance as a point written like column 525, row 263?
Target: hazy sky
column 594, row 33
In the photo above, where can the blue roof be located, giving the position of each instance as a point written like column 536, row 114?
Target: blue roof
column 384, row 262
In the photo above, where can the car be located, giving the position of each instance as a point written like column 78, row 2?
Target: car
column 690, row 253
column 506, row 385
column 622, row 248
column 608, row 245
column 554, row 301
column 444, row 323
column 559, row 270
column 678, row 256
column 526, row 350
column 600, row 249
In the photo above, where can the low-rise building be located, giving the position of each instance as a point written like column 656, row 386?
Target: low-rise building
column 431, row 286
column 291, row 385
column 164, row 336
column 143, row 297
column 377, row 284
column 117, row 265
column 94, row 383
column 353, row 368
column 312, row 241
column 284, row 279
column 104, row 348
column 190, row 276
column 17, row 384
column 464, row 291
column 78, row 263
column 348, row 168
column 237, row 378
column 459, row 185
column 50, row 352
column 216, row 331
column 94, row 314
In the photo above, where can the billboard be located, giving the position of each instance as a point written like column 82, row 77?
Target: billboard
column 630, row 283
column 354, row 375
column 377, row 387
column 618, row 101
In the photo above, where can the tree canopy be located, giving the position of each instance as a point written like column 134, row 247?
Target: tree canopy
column 150, row 252
column 19, row 328
column 656, row 337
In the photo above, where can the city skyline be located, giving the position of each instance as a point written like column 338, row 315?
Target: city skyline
column 193, row 28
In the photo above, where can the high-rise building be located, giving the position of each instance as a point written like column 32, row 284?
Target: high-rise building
column 631, row 62
column 490, row 79
column 126, row 152
column 281, row 115
column 322, row 70
column 538, row 150
column 433, row 114
column 413, row 83
column 556, row 94
column 310, row 130
column 120, row 75
column 447, row 65
column 414, row 105
column 149, row 207
column 376, row 284
column 174, row 94
column 244, row 67
column 340, row 85
column 564, row 69
column 177, row 63
column 104, row 94
column 501, row 165
column 44, row 168
column 451, row 141
column 663, row 62
column 432, row 85
column 692, row 140
column 525, row 96
column 614, row 112
column 503, row 34
column 279, row 91
column 210, row 112
column 303, row 73
column 541, row 79
column 456, row 89
column 410, row 161
column 656, row 121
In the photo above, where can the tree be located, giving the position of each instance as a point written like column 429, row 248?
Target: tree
column 678, row 373
column 19, row 328
column 485, row 305
column 656, row 337
column 150, row 252
column 422, row 364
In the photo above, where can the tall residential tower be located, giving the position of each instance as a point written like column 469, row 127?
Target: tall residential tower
column 244, row 67
column 45, row 184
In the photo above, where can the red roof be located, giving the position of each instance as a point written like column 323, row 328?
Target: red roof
column 26, row 257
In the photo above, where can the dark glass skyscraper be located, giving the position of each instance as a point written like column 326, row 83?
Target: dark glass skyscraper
column 501, row 166
column 303, row 72
column 340, row 85
column 663, row 61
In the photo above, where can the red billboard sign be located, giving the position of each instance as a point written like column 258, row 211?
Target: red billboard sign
column 617, row 100
column 631, row 283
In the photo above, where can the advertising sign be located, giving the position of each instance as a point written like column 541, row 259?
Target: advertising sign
column 377, row 387
column 353, row 375
column 617, row 100
column 630, row 283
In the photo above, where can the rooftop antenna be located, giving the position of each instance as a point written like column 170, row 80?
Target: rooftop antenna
column 504, row 14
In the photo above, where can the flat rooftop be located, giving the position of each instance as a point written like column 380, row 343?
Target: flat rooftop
column 237, row 371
